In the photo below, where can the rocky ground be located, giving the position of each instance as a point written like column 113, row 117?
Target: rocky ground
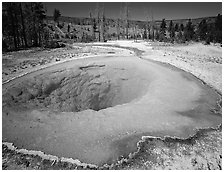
column 24, row 61
column 202, row 151
column 203, row 61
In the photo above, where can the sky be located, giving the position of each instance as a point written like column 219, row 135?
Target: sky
column 139, row 10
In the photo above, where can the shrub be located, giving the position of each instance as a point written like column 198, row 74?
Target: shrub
column 4, row 46
column 67, row 36
column 54, row 44
column 56, row 36
column 61, row 25
column 87, row 38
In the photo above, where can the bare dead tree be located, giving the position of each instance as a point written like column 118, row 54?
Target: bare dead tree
column 92, row 23
column 117, row 24
column 126, row 9
column 103, row 23
column 135, row 33
column 97, row 11
column 121, row 18
column 153, row 27
column 147, row 14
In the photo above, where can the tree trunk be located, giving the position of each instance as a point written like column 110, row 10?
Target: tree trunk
column 103, row 25
column 17, row 30
column 126, row 10
column 34, row 26
column 23, row 25
column 99, row 27
column 39, row 36
column 13, row 25
column 118, row 29
column 153, row 34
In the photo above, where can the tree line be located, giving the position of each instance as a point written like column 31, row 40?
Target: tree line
column 23, row 25
column 203, row 31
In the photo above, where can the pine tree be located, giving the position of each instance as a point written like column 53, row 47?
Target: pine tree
column 94, row 28
column 181, row 27
column 153, row 32
column 17, row 24
column 210, row 37
column 180, row 34
column 163, row 30
column 145, row 33
column 40, row 16
column 176, row 27
column 118, row 25
column 163, row 26
column 218, row 22
column 68, row 29
column 10, row 10
column 202, row 30
column 172, row 31
column 18, row 19
column 149, row 36
column 157, row 35
column 56, row 15
column 218, row 29
column 189, row 31
column 180, row 37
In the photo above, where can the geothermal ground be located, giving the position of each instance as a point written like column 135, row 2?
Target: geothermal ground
column 112, row 106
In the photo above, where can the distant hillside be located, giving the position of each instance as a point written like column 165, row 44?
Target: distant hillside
column 23, row 27
column 80, row 26
column 141, row 24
